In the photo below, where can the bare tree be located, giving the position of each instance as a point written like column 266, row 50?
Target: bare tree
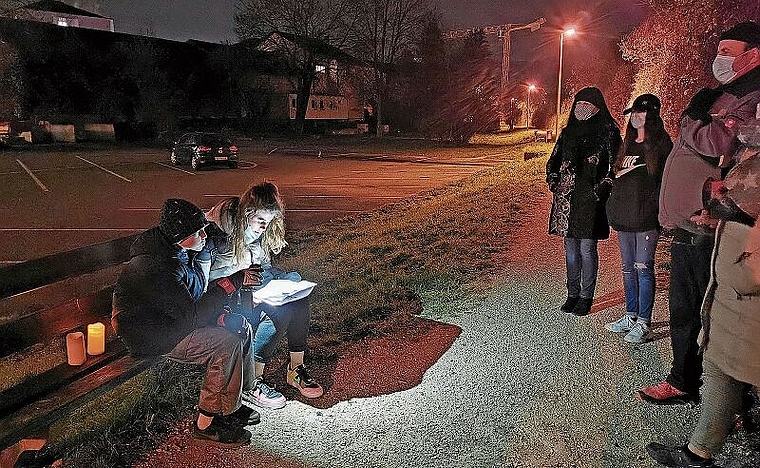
column 326, row 21
column 385, row 30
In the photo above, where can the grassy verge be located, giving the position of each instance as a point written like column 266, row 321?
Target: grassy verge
column 418, row 253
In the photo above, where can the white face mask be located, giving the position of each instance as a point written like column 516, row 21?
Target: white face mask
column 723, row 68
column 585, row 110
column 638, row 119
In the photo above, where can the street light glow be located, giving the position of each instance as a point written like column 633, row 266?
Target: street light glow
column 532, row 87
column 569, row 31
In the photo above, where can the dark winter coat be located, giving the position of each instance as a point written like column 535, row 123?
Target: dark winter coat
column 155, row 295
column 633, row 205
column 579, row 162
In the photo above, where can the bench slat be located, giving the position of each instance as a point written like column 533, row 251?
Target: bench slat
column 38, row 386
column 43, row 413
column 21, row 277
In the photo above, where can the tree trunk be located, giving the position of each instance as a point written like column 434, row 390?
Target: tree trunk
column 302, row 103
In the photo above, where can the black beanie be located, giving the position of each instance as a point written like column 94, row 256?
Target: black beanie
column 748, row 32
column 180, row 219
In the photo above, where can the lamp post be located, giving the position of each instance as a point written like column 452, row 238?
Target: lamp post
column 569, row 32
column 531, row 88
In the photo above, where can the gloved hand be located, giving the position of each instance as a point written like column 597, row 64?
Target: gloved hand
column 700, row 104
column 552, row 179
column 603, row 189
column 235, row 323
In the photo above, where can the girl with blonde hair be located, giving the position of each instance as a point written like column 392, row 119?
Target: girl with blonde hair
column 246, row 232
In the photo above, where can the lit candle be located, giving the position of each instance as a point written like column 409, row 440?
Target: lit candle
column 75, row 348
column 96, row 339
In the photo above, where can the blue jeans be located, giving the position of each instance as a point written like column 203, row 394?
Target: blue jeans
column 637, row 251
column 272, row 323
column 582, row 262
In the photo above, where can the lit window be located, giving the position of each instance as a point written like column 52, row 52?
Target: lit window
column 320, row 68
column 62, row 22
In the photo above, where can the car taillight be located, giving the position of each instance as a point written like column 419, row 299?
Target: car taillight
column 204, row 148
column 233, row 148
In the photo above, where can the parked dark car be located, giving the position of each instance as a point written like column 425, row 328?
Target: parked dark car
column 200, row 149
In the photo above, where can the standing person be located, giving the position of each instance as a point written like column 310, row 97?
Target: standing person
column 578, row 164
column 154, row 312
column 731, row 320
column 709, row 127
column 632, row 211
column 247, row 231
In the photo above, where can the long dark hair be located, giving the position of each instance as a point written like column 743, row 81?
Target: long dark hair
column 657, row 143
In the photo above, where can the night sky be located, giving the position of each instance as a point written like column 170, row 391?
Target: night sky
column 211, row 20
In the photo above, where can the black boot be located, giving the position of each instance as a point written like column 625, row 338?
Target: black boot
column 569, row 304
column 583, row 306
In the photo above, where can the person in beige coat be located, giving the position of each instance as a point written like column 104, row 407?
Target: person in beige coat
column 730, row 336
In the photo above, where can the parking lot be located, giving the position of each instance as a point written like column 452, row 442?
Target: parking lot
column 59, row 199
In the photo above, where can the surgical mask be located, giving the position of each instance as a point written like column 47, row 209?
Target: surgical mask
column 638, row 119
column 722, row 68
column 585, row 110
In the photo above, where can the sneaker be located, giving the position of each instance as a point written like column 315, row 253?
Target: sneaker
column 622, row 325
column 583, row 306
column 638, row 333
column 304, row 382
column 677, row 456
column 264, row 396
column 666, row 394
column 222, row 431
column 246, row 416
column 569, row 304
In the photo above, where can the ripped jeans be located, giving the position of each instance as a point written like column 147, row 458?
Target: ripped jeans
column 637, row 251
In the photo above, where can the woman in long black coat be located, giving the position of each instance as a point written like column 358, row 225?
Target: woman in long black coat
column 575, row 172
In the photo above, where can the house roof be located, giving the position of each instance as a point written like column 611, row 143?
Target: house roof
column 315, row 46
column 60, row 7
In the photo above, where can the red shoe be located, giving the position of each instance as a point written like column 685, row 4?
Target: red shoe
column 666, row 394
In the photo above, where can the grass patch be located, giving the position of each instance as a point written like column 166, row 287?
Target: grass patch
column 422, row 253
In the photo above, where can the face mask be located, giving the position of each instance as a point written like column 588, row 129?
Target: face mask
column 722, row 68
column 638, row 119
column 585, row 110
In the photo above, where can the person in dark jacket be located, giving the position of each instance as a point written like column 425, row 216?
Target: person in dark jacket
column 578, row 164
column 632, row 210
column 154, row 313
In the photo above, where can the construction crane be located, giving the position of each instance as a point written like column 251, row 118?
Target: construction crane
column 503, row 31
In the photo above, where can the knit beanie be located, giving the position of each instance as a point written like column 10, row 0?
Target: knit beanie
column 748, row 32
column 180, row 219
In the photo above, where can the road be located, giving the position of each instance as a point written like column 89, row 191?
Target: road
column 57, row 200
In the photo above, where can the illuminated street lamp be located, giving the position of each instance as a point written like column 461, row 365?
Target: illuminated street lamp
column 531, row 88
column 569, row 32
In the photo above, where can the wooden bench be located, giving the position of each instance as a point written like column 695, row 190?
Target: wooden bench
column 41, row 301
column 542, row 135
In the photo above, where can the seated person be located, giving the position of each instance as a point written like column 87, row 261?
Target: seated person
column 246, row 231
column 155, row 313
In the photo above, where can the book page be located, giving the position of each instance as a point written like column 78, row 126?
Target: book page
column 278, row 292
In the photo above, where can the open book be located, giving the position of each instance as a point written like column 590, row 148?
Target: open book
column 279, row 292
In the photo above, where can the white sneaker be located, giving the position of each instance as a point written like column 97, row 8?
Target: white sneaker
column 623, row 325
column 638, row 333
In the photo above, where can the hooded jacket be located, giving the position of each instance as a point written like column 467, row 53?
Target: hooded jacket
column 580, row 160
column 700, row 147
column 154, row 297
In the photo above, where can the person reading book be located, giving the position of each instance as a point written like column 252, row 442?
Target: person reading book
column 246, row 231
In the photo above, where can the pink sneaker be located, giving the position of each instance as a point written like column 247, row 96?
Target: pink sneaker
column 666, row 394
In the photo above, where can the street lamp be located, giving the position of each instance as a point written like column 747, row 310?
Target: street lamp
column 569, row 32
column 531, row 88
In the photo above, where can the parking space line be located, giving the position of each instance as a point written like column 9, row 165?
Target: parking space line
column 34, row 177
column 175, row 168
column 104, row 169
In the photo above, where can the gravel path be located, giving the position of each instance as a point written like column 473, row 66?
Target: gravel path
column 524, row 385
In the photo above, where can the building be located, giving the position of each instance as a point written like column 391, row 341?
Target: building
column 62, row 14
